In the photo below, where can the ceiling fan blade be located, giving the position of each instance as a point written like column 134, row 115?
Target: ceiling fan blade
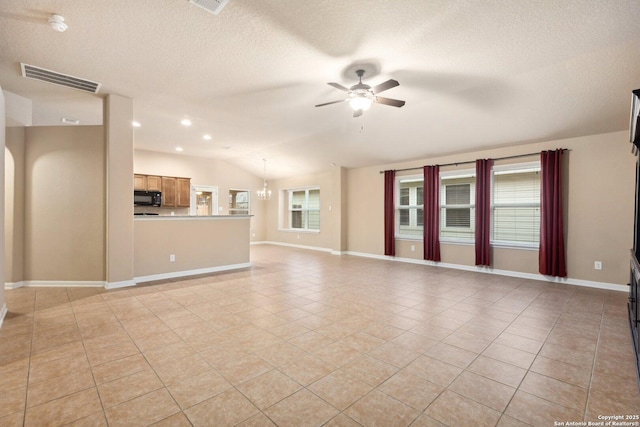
column 329, row 103
column 339, row 86
column 385, row 86
column 389, row 101
column 357, row 113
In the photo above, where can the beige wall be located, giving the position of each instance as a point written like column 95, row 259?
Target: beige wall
column 329, row 217
column 14, row 204
column 209, row 172
column 64, row 219
column 64, row 204
column 201, row 243
column 339, row 209
column 118, row 149
column 599, row 184
column 2, row 254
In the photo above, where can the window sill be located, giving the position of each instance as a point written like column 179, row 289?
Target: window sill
column 410, row 238
column 457, row 242
column 500, row 245
column 507, row 245
column 298, row 230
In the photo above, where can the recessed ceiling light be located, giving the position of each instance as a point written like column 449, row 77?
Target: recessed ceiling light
column 185, row 122
column 179, row 149
column 207, row 137
column 226, row 147
column 135, row 124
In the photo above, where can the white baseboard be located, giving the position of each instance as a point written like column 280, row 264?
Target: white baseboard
column 291, row 245
column 508, row 273
column 13, row 285
column 3, row 313
column 124, row 283
column 55, row 284
column 185, row 273
column 486, row 270
column 121, row 284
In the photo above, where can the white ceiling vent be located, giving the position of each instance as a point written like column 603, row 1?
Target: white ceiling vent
column 37, row 73
column 213, row 6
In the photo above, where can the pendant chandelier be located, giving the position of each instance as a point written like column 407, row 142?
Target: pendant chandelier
column 264, row 194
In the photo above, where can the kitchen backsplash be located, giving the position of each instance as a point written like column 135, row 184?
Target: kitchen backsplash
column 161, row 211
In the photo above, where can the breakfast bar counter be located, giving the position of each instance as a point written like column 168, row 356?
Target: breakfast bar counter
column 167, row 247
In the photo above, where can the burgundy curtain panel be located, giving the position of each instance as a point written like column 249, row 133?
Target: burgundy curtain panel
column 483, row 212
column 431, row 200
column 551, row 255
column 389, row 212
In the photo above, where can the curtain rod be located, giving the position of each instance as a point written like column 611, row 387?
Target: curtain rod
column 468, row 162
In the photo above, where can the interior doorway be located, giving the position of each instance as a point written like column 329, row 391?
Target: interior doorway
column 204, row 200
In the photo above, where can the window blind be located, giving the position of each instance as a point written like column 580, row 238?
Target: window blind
column 516, row 205
column 457, row 208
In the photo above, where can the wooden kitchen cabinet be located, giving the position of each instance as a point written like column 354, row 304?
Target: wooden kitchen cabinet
column 154, row 183
column 176, row 192
column 169, row 198
column 183, row 192
column 147, row 182
column 140, row 182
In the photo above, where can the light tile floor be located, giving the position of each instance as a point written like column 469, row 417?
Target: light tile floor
column 305, row 338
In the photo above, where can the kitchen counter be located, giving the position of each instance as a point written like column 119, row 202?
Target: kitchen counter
column 173, row 246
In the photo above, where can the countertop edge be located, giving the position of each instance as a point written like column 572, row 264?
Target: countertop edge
column 188, row 217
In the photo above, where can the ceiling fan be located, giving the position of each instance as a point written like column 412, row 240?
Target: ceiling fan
column 361, row 96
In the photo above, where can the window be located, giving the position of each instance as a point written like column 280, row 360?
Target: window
column 239, row 202
column 409, row 207
column 457, row 206
column 304, row 209
column 516, row 204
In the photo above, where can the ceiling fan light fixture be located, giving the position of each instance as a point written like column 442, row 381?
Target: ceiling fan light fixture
column 360, row 102
column 360, row 96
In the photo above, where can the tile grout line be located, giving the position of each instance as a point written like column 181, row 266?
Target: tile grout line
column 593, row 368
column 503, row 331
column 26, row 390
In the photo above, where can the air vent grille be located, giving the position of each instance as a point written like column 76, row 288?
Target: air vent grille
column 37, row 73
column 213, row 6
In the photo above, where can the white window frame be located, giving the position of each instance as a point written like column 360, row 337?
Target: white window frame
column 467, row 173
column 305, row 208
column 533, row 166
column 409, row 207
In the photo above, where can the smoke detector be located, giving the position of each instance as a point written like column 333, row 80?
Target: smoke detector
column 213, row 6
column 68, row 121
column 57, row 23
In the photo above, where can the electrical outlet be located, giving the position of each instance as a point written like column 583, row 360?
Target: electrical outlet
column 413, row 248
column 597, row 265
column 172, row 258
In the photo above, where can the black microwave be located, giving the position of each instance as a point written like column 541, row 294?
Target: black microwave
column 147, row 198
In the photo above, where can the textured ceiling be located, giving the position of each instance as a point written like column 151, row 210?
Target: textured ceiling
column 473, row 74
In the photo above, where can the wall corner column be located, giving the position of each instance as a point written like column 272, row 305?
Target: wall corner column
column 3, row 306
column 118, row 115
column 339, row 210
